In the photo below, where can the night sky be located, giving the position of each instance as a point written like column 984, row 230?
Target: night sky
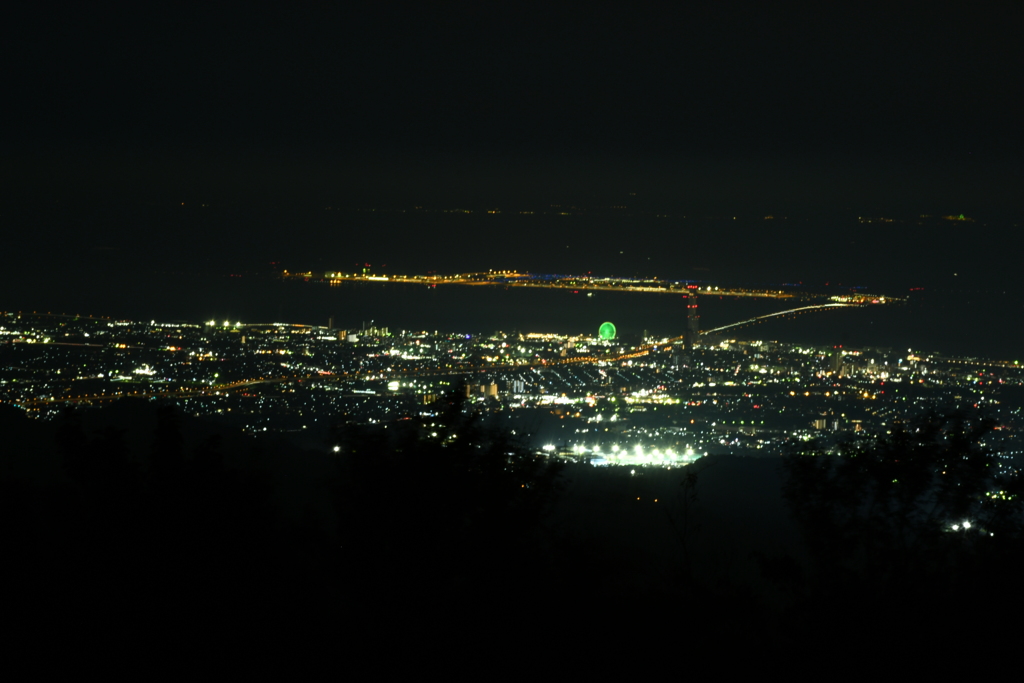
column 280, row 100
column 116, row 117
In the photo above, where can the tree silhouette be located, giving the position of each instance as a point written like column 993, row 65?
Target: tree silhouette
column 440, row 505
column 684, row 521
column 911, row 522
column 167, row 457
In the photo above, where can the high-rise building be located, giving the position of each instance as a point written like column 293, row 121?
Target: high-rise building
column 692, row 319
column 835, row 361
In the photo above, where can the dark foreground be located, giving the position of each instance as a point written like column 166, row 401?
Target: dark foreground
column 134, row 530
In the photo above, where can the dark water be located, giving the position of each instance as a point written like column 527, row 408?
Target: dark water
column 952, row 323
column 147, row 263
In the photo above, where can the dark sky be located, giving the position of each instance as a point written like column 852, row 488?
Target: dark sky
column 836, row 105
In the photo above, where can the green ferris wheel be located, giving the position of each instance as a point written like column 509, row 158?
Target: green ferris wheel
column 607, row 331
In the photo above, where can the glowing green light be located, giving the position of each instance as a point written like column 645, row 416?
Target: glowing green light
column 607, row 331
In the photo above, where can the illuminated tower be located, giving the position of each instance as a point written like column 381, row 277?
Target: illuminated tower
column 692, row 319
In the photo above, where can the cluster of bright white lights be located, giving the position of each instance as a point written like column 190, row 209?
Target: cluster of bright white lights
column 637, row 455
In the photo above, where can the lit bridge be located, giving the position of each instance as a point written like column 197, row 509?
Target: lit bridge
column 789, row 312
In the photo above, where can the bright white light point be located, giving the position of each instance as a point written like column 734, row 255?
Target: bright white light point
column 956, row 527
column 549, row 447
column 632, row 471
column 337, row 448
column 227, row 323
column 967, row 525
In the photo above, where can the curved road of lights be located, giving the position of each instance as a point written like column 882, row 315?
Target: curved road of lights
column 344, row 377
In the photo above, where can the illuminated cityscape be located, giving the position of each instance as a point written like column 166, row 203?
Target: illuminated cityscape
column 587, row 397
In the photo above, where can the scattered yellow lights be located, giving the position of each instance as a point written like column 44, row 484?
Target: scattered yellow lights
column 514, row 279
